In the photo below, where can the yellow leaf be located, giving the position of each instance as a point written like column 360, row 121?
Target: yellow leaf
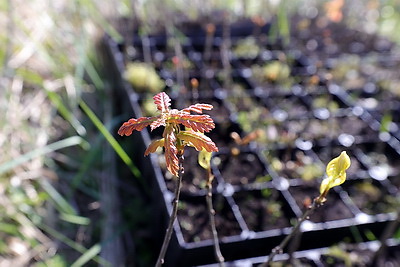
column 204, row 159
column 336, row 172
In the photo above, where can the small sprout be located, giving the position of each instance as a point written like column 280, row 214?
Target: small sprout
column 174, row 139
column 235, row 151
column 274, row 209
column 307, row 202
column 266, row 192
column 263, row 178
column 252, row 136
column 258, row 20
column 195, row 83
column 386, row 122
column 371, row 191
column 336, row 175
column 310, row 171
column 210, row 28
column 247, row 48
column 349, row 259
column 276, row 71
column 204, row 161
column 143, row 77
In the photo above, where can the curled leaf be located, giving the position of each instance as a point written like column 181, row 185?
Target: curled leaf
column 154, row 145
column 135, row 124
column 157, row 123
column 198, row 108
column 336, row 174
column 204, row 159
column 171, row 152
column 199, row 123
column 162, row 102
column 197, row 140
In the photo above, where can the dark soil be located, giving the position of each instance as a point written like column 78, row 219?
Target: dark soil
column 263, row 210
column 291, row 163
column 371, row 197
column 240, row 169
column 194, row 176
column 221, row 134
column 333, row 209
column 194, row 220
column 352, row 255
column 303, row 262
column 291, row 106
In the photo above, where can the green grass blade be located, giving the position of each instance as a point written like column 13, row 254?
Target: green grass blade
column 87, row 256
column 91, row 157
column 58, row 103
column 385, row 122
column 8, row 228
column 111, row 140
column 283, row 23
column 76, row 246
column 87, row 162
column 67, row 142
column 62, row 205
column 75, row 219
column 89, row 9
column 94, row 75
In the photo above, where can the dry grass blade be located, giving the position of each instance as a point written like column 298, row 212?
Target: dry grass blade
column 41, row 66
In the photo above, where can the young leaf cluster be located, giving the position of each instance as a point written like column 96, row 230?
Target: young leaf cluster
column 174, row 139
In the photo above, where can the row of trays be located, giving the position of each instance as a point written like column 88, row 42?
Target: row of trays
column 263, row 183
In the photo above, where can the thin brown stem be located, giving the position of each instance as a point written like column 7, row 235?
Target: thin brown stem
column 210, row 30
column 173, row 216
column 226, row 45
column 217, row 251
column 387, row 233
column 146, row 49
column 279, row 249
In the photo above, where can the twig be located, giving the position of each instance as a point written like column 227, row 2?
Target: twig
column 387, row 233
column 294, row 245
column 146, row 48
column 180, row 74
column 174, row 213
column 217, row 251
column 225, row 46
column 210, row 30
column 279, row 249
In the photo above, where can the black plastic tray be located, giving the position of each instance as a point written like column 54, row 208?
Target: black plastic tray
column 309, row 134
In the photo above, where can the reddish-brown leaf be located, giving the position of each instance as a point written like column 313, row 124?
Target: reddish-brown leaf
column 135, row 124
column 198, row 108
column 171, row 158
column 162, row 102
column 199, row 123
column 154, row 145
column 159, row 122
column 198, row 141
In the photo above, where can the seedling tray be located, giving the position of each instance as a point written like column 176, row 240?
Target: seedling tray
column 338, row 255
column 262, row 186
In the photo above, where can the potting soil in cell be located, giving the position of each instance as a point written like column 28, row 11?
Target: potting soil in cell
column 292, row 107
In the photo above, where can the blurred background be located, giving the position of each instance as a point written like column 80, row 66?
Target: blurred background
column 61, row 202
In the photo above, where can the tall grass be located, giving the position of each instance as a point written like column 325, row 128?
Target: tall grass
column 48, row 155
